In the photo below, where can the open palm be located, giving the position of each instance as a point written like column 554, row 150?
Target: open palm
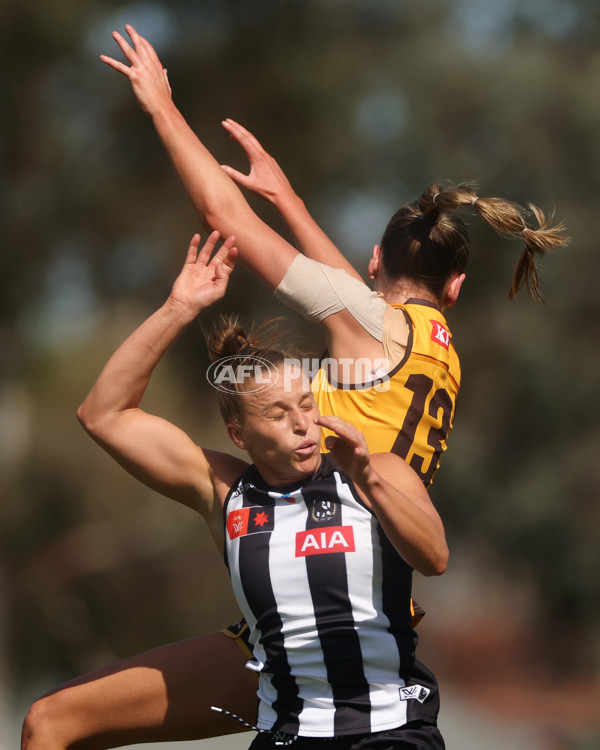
column 203, row 280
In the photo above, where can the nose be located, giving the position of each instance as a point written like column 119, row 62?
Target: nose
column 300, row 422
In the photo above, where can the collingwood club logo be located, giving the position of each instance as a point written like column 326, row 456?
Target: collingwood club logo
column 242, row 374
column 323, row 510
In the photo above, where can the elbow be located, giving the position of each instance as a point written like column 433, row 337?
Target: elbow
column 437, row 562
column 87, row 419
column 82, row 416
column 217, row 214
column 439, row 566
column 225, row 211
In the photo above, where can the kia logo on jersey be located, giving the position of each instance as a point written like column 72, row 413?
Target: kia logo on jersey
column 324, row 541
column 439, row 334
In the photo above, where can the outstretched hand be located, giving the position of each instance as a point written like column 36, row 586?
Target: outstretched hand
column 145, row 72
column 203, row 280
column 349, row 448
column 266, row 178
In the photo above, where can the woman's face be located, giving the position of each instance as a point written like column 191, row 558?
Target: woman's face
column 278, row 429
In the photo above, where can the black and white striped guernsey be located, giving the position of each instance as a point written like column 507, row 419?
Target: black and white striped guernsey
column 327, row 600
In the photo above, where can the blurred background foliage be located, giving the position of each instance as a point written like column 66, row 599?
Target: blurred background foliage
column 363, row 102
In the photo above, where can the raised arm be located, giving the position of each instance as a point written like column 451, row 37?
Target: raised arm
column 217, row 199
column 150, row 448
column 396, row 495
column 267, row 179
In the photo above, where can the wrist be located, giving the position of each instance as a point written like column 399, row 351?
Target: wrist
column 180, row 311
column 164, row 114
column 369, row 481
column 286, row 200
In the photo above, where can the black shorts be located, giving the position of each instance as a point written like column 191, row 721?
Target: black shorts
column 416, row 735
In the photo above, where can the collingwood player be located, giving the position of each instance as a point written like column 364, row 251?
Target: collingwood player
column 320, row 547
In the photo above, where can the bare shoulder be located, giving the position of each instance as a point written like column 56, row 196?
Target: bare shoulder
column 224, row 468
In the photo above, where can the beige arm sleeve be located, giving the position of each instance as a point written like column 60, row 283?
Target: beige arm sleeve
column 317, row 291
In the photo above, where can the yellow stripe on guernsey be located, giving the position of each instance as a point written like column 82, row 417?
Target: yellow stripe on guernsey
column 410, row 411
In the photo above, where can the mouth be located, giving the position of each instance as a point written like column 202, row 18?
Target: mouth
column 306, row 448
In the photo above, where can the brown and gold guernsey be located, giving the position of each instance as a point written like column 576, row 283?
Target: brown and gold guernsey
column 410, row 410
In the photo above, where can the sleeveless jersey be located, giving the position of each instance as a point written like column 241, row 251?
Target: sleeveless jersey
column 409, row 411
column 327, row 600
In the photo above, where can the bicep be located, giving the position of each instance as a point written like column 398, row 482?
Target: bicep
column 160, row 455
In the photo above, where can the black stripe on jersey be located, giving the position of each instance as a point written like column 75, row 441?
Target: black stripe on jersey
column 256, row 582
column 328, row 583
column 396, row 595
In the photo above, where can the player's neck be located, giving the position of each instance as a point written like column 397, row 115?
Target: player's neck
column 398, row 292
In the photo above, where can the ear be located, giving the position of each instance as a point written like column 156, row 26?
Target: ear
column 453, row 289
column 235, row 433
column 375, row 262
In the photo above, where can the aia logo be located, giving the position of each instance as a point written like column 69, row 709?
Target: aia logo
column 323, row 541
column 439, row 334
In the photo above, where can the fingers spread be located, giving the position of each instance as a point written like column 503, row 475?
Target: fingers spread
column 192, row 251
column 237, row 131
column 116, row 65
column 209, row 246
column 143, row 47
column 126, row 49
column 226, row 252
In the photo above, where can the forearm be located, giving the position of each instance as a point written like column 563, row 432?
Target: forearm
column 216, row 198
column 311, row 239
column 417, row 536
column 214, row 194
column 125, row 377
column 267, row 179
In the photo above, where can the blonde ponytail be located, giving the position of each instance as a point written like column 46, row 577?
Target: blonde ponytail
column 507, row 218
